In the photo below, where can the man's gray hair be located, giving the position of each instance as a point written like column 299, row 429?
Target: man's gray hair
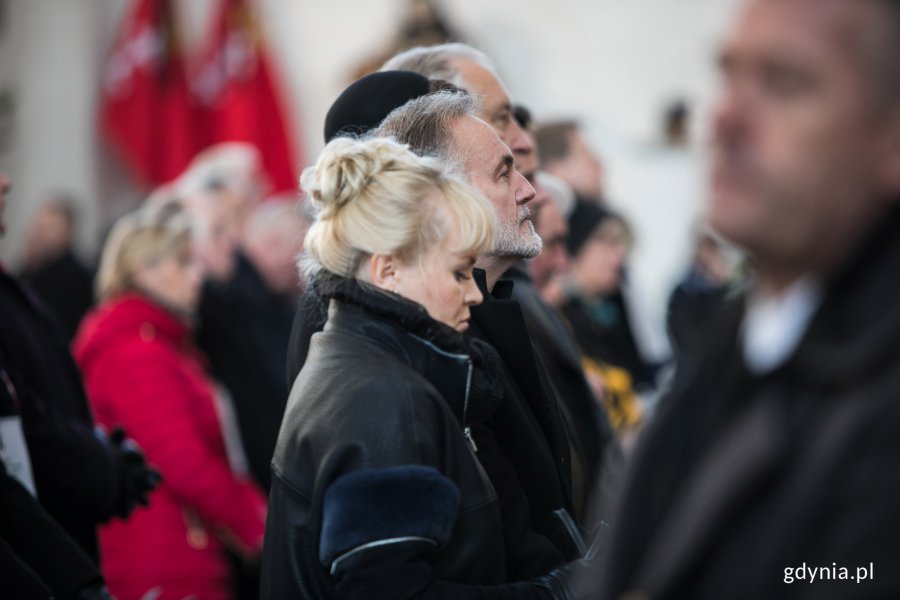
column 426, row 125
column 436, row 62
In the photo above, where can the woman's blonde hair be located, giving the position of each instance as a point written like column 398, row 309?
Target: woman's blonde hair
column 375, row 196
column 141, row 238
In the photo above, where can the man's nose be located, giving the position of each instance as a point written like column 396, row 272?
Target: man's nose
column 730, row 115
column 524, row 191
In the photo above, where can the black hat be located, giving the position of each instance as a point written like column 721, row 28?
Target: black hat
column 364, row 105
column 582, row 223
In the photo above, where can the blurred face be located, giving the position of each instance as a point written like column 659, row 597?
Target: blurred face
column 552, row 227
column 581, row 168
column 490, row 167
column 442, row 282
column 598, row 266
column 495, row 106
column 50, row 235
column 215, row 238
column 798, row 140
column 174, row 280
column 278, row 256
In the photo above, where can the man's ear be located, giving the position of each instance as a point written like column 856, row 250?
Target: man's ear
column 383, row 271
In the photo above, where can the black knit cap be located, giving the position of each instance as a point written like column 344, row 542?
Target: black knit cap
column 582, row 223
column 364, row 105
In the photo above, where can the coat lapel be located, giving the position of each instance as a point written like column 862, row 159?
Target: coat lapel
column 734, row 470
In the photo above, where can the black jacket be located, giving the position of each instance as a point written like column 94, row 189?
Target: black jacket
column 741, row 477
column 527, row 428
column 383, row 385
column 309, row 318
column 38, row 559
column 67, row 286
column 76, row 473
column 244, row 333
column 523, row 448
column 590, row 434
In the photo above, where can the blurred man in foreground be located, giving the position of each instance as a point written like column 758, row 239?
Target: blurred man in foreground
column 782, row 436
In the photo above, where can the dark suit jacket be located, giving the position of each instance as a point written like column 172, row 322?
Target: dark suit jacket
column 528, row 426
column 244, row 330
column 590, row 434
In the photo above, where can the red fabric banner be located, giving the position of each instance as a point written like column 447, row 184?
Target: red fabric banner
column 147, row 112
column 236, row 85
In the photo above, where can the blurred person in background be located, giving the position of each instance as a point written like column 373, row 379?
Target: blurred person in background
column 783, row 434
column 215, row 236
column 49, row 263
column 599, row 241
column 81, row 475
column 234, row 171
column 273, row 241
column 564, row 152
column 143, row 371
column 245, row 310
column 246, row 324
column 702, row 291
column 550, row 268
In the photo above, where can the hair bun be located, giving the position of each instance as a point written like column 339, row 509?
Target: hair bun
column 347, row 167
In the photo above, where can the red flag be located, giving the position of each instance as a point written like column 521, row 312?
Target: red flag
column 236, row 83
column 147, row 112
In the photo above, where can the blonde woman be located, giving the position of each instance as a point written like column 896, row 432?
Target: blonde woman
column 377, row 491
column 142, row 371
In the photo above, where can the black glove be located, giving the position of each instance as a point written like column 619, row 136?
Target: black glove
column 137, row 477
column 572, row 581
column 95, row 591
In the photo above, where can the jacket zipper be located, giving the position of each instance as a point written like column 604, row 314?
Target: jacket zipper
column 467, row 431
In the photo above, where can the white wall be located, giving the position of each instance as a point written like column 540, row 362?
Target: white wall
column 611, row 63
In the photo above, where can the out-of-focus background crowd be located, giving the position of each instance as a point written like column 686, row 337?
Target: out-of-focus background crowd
column 622, row 70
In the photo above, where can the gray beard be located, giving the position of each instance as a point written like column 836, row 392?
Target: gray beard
column 511, row 243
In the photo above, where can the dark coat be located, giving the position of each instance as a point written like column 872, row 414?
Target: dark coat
column 76, row 472
column 38, row 559
column 243, row 332
column 384, row 385
column 67, row 287
column 309, row 318
column 741, row 477
column 590, row 434
column 527, row 429
column 523, row 449
column 604, row 332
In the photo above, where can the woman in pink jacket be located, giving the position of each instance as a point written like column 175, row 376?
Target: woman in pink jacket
column 142, row 371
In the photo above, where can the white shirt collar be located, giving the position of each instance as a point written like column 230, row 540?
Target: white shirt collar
column 774, row 325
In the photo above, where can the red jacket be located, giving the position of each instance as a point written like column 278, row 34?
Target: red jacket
column 142, row 371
